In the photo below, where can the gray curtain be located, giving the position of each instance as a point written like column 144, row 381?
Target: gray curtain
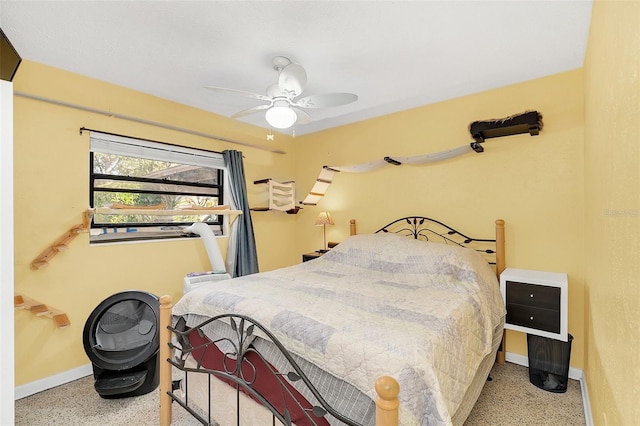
column 242, row 257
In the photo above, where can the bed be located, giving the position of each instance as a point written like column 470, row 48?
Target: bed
column 381, row 330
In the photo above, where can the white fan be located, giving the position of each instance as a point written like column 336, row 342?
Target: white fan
column 283, row 109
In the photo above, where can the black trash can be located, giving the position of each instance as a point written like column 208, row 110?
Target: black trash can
column 549, row 362
column 121, row 338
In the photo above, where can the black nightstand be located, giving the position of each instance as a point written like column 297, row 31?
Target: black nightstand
column 310, row 256
column 536, row 302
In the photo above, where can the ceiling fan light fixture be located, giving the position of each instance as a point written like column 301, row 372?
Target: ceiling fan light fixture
column 281, row 117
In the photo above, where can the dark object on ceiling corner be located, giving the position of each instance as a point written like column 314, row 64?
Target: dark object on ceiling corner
column 526, row 122
column 9, row 58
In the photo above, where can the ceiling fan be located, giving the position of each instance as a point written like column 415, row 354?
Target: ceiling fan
column 283, row 107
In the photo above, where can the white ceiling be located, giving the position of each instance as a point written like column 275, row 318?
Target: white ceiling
column 394, row 55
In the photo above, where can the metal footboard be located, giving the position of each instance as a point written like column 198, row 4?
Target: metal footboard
column 241, row 365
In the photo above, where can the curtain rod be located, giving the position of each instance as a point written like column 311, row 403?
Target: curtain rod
column 143, row 121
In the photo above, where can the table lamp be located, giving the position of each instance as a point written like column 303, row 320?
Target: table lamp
column 324, row 219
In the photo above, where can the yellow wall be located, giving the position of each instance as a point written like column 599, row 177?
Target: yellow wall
column 52, row 190
column 535, row 184
column 612, row 212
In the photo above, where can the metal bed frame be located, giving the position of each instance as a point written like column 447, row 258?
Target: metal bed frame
column 240, row 356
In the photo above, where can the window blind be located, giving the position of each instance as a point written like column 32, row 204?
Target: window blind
column 131, row 147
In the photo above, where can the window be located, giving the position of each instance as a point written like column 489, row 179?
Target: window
column 130, row 176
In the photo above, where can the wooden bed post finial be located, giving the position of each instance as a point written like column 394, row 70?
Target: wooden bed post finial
column 500, row 266
column 352, row 227
column 165, row 367
column 387, row 401
column 500, row 248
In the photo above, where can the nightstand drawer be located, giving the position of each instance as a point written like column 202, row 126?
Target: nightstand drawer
column 532, row 317
column 533, row 295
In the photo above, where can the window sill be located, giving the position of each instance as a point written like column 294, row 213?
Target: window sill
column 142, row 237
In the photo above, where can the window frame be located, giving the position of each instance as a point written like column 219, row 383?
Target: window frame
column 109, row 143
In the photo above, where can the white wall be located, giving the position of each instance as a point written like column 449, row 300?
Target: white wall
column 7, row 412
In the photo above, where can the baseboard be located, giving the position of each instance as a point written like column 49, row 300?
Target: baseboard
column 53, row 381
column 585, row 401
column 574, row 373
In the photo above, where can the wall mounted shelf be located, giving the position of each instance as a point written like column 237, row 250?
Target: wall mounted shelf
column 62, row 243
column 281, row 196
column 40, row 309
column 526, row 122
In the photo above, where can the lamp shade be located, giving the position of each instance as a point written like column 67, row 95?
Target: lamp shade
column 281, row 117
column 324, row 218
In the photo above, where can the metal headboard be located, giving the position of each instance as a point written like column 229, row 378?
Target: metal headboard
column 427, row 229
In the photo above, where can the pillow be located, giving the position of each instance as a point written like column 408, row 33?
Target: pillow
column 398, row 253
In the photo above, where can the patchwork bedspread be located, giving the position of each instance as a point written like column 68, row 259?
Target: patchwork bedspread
column 376, row 305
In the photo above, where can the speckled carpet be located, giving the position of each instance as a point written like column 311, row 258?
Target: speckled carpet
column 510, row 399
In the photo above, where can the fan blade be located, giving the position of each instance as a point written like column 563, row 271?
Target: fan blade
column 251, row 111
column 239, row 93
column 303, row 116
column 292, row 80
column 326, row 101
